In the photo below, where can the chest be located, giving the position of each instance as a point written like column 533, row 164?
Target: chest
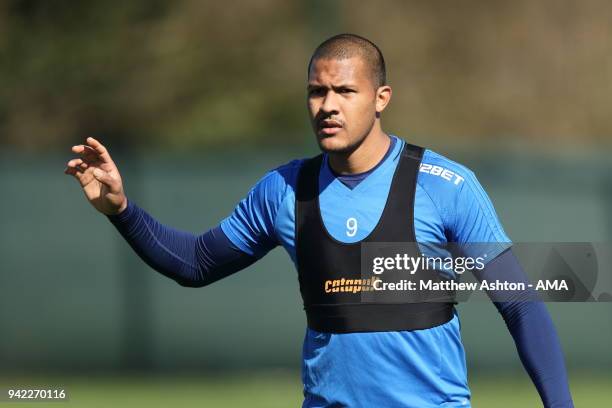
column 352, row 217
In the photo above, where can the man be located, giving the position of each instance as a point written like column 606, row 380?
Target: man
column 367, row 186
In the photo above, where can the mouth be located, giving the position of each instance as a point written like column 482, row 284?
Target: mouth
column 329, row 127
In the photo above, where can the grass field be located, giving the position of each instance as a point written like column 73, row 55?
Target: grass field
column 278, row 389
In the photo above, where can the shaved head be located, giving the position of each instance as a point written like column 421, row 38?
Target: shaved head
column 345, row 46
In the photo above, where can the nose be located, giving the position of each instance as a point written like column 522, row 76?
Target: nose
column 330, row 103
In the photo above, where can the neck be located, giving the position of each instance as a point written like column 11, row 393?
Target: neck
column 367, row 155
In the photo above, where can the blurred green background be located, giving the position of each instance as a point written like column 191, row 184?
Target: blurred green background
column 198, row 99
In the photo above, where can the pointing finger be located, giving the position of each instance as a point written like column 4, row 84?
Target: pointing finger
column 100, row 149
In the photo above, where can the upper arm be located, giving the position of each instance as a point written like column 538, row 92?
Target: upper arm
column 475, row 222
column 466, row 211
column 474, row 218
column 252, row 224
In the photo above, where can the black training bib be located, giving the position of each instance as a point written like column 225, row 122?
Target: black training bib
column 325, row 263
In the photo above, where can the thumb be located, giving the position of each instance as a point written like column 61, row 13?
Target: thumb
column 105, row 178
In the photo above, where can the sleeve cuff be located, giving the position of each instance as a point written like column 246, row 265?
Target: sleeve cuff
column 125, row 215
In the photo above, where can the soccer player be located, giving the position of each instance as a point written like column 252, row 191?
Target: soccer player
column 366, row 186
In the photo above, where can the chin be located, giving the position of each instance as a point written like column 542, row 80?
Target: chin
column 334, row 144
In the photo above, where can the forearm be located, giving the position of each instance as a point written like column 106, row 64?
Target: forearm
column 533, row 332
column 188, row 259
column 539, row 350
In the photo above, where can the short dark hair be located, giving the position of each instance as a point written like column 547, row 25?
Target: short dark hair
column 343, row 46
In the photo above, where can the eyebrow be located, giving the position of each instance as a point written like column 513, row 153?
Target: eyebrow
column 346, row 85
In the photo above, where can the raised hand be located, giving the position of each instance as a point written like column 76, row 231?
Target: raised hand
column 98, row 176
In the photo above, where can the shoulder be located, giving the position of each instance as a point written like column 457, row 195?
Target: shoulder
column 251, row 226
column 274, row 188
column 451, row 187
column 466, row 208
column 289, row 169
column 280, row 180
column 442, row 177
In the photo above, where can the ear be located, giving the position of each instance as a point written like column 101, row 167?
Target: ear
column 383, row 97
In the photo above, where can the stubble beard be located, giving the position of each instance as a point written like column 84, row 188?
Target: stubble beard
column 343, row 150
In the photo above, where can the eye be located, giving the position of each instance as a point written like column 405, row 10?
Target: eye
column 345, row 90
column 316, row 91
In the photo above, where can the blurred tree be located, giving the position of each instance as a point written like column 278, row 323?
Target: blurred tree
column 194, row 73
